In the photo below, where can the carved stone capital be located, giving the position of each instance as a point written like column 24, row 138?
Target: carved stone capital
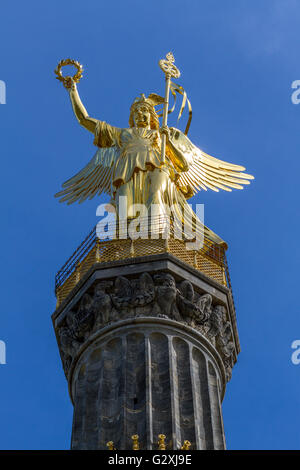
column 147, row 294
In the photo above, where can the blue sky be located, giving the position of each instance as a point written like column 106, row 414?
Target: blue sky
column 238, row 60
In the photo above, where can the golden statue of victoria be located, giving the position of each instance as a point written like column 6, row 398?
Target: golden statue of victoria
column 151, row 165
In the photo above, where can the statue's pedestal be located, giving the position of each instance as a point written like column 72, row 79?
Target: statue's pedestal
column 147, row 345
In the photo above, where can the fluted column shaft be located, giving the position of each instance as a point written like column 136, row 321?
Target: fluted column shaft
column 147, row 377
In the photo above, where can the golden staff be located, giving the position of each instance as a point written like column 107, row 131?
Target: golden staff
column 170, row 70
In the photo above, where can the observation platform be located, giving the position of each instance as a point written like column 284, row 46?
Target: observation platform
column 210, row 259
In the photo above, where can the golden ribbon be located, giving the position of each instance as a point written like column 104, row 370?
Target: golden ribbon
column 174, row 88
column 179, row 89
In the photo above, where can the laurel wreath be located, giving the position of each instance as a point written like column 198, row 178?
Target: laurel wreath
column 66, row 80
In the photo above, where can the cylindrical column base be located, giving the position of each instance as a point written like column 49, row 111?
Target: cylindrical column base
column 147, row 376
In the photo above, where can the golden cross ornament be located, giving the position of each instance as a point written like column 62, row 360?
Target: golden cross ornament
column 168, row 67
column 170, row 70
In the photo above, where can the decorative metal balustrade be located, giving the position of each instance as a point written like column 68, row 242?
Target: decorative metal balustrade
column 163, row 237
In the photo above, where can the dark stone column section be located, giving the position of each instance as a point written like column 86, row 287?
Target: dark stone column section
column 160, row 405
column 132, row 379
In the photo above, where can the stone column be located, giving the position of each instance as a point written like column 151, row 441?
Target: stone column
column 147, row 349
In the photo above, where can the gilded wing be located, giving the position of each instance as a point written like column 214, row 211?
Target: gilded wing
column 93, row 179
column 206, row 172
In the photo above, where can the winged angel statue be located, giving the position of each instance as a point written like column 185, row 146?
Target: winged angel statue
column 129, row 162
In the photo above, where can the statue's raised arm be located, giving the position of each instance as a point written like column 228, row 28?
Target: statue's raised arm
column 70, row 84
column 96, row 176
column 79, row 110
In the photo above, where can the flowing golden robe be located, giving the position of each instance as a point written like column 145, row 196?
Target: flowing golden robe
column 140, row 148
column 139, row 173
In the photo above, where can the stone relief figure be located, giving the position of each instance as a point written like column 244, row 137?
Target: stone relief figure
column 144, row 290
column 192, row 306
column 187, row 290
column 216, row 321
column 134, row 293
column 69, row 342
column 166, row 295
column 76, row 329
column 84, row 318
column 204, row 304
column 102, row 305
column 122, row 295
column 220, row 330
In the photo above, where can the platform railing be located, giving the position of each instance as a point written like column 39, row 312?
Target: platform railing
column 161, row 236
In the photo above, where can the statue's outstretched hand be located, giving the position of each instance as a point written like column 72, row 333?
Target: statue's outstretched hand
column 69, row 83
